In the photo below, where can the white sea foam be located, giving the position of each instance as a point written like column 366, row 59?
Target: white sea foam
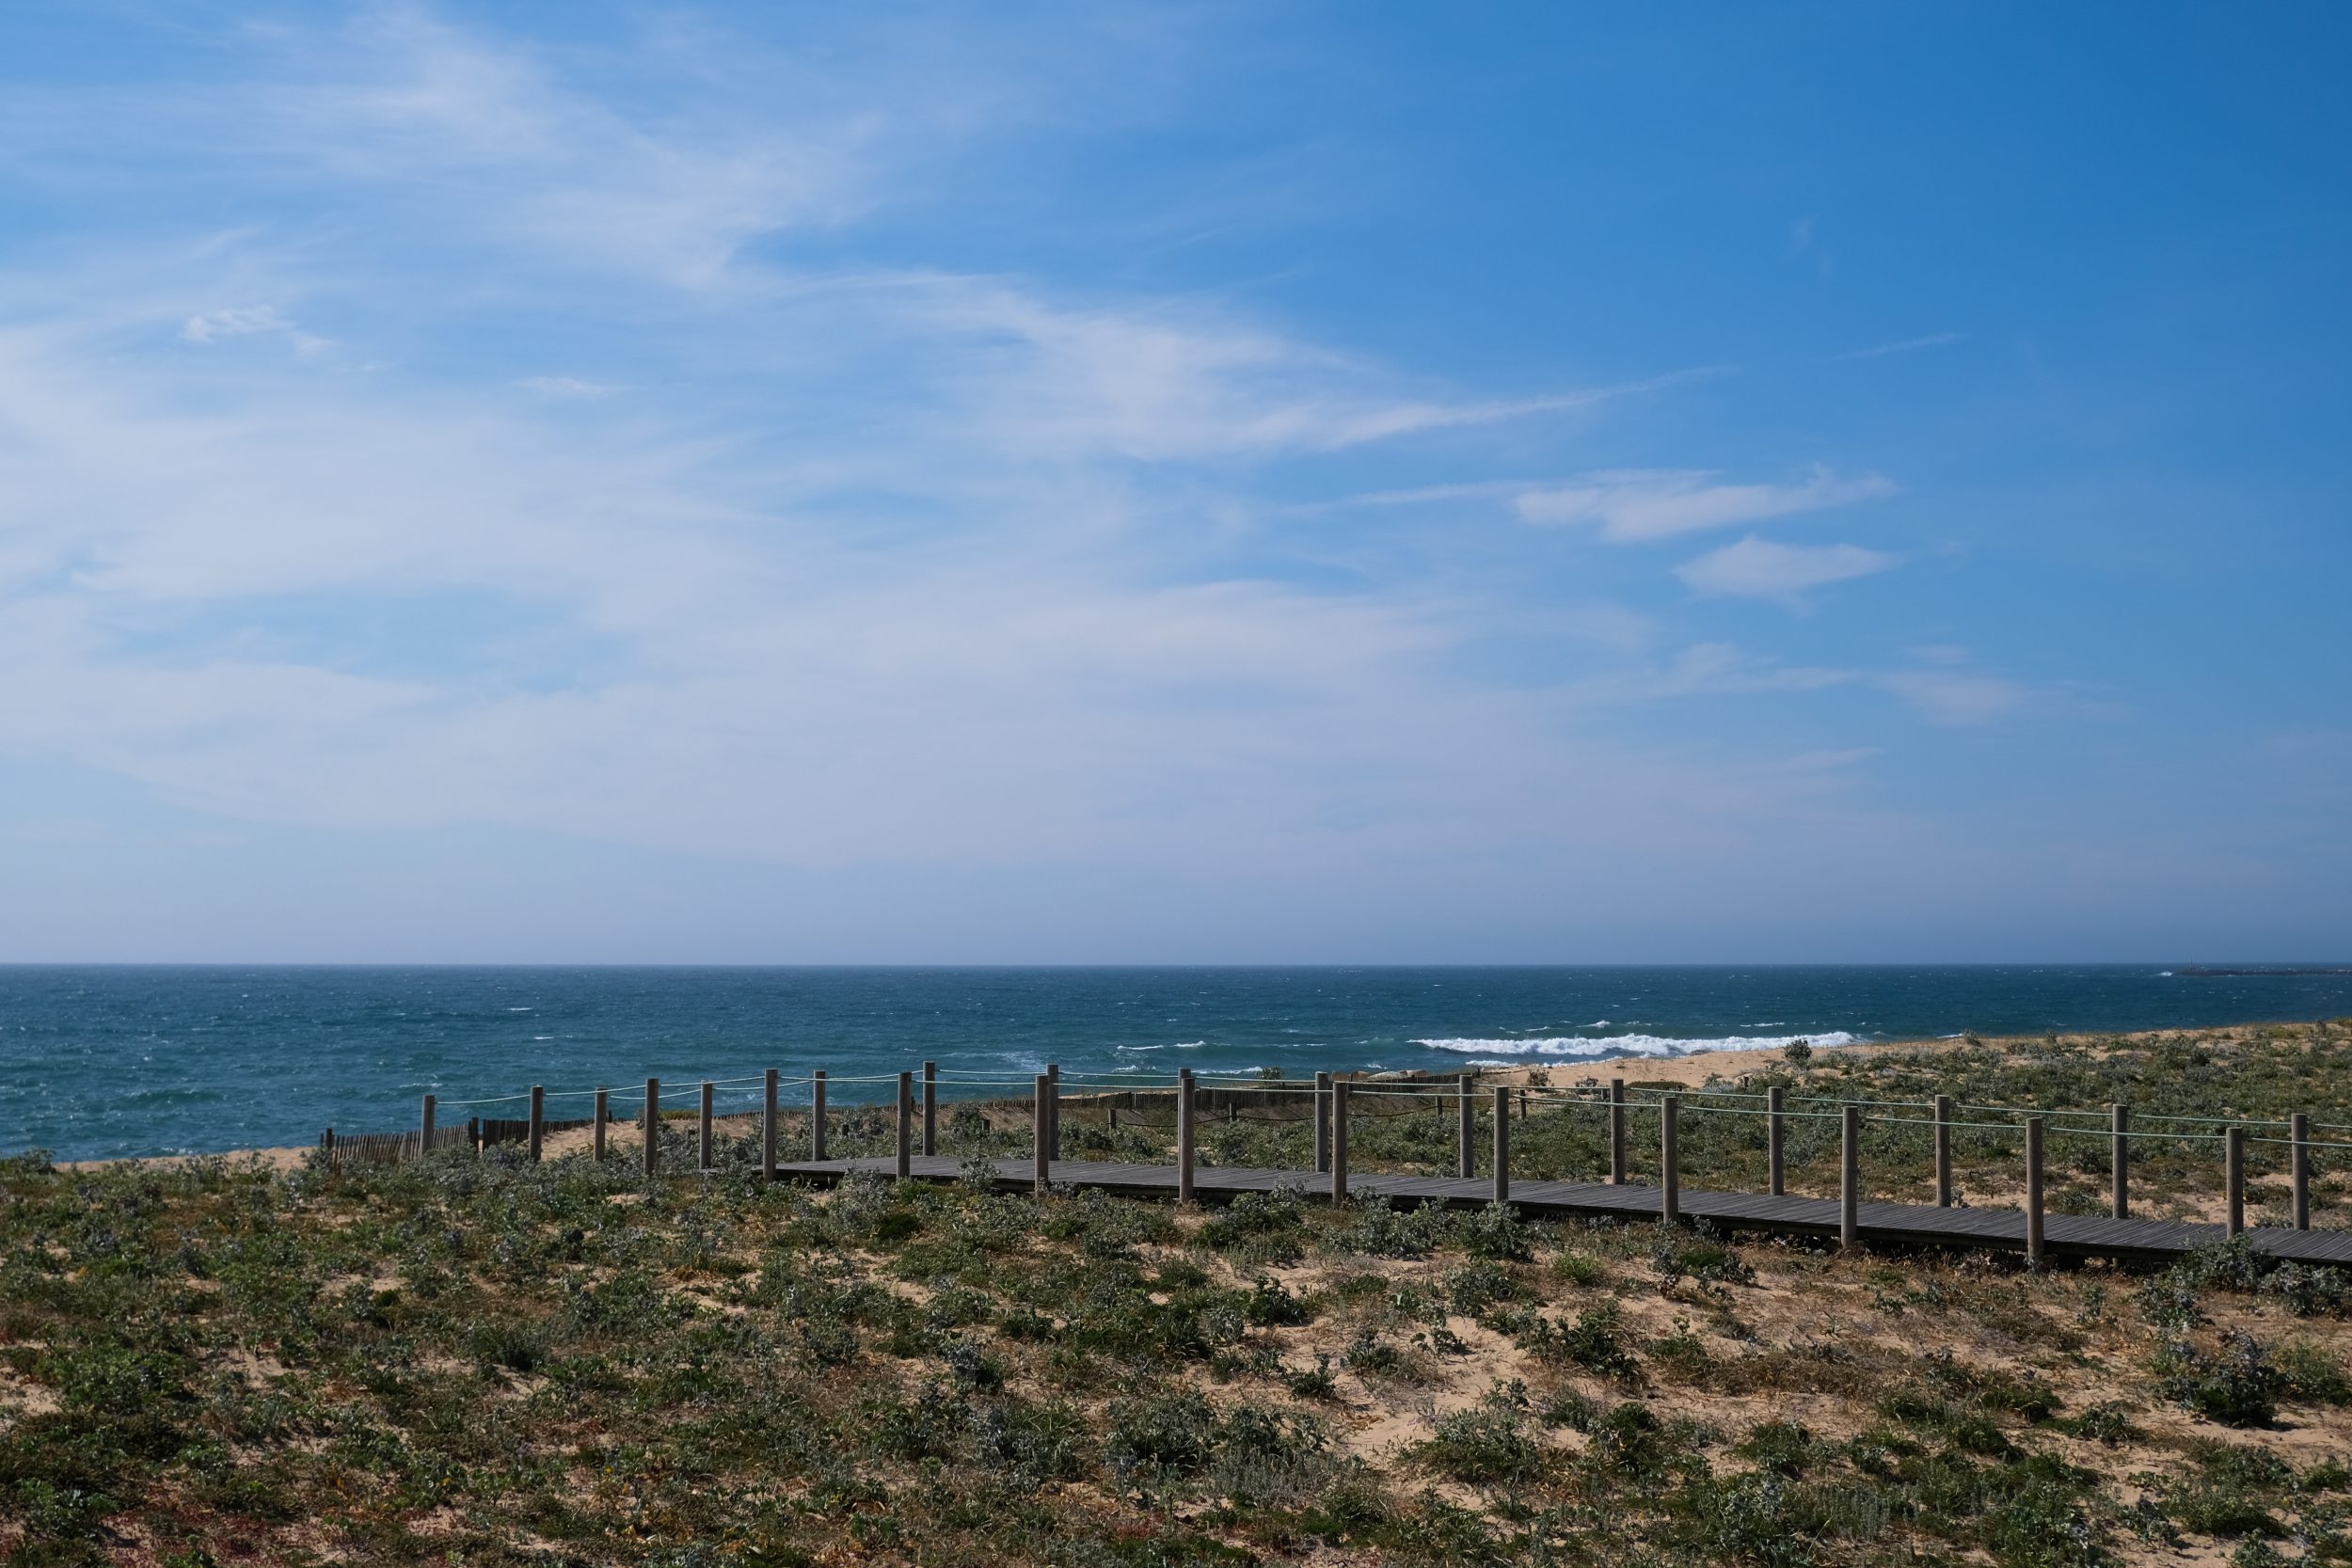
column 1631, row 1045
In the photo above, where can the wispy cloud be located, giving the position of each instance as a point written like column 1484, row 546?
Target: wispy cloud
column 567, row 386
column 878, row 562
column 1706, row 669
column 1636, row 505
column 1900, row 346
column 1957, row 697
column 245, row 321
column 1765, row 569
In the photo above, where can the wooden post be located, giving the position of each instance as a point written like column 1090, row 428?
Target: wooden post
column 1616, row 1132
column 1850, row 1177
column 1522, row 1104
column 1467, row 1091
column 2120, row 1160
column 1943, row 1151
column 1041, row 1137
column 905, row 1150
column 1184, row 1135
column 1670, row 1158
column 767, row 1126
column 1503, row 1145
column 816, row 1114
column 596, row 1135
column 424, row 1129
column 1339, row 1140
column 1053, row 1111
column 473, row 1134
column 1323, row 1122
column 2033, row 1192
column 651, row 1126
column 930, row 1109
column 703, row 1141
column 2234, row 1176
column 538, row 1117
column 2299, row 1129
column 1776, row 1138
column 327, row 1141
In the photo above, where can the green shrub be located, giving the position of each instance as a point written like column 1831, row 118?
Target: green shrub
column 1268, row 1227
column 1496, row 1232
column 1783, row 1448
column 1487, row 1444
column 1595, row 1341
column 1381, row 1230
column 2238, row 1386
column 2105, row 1422
column 1474, row 1288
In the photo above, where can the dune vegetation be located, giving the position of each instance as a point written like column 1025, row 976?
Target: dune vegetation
column 480, row 1359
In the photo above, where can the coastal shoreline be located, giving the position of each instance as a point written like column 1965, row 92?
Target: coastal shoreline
column 1697, row 1069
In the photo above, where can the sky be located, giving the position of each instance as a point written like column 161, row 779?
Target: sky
column 587, row 482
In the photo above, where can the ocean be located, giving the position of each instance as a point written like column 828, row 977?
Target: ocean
column 99, row 1062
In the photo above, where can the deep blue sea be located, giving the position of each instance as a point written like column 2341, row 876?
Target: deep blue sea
column 105, row 1061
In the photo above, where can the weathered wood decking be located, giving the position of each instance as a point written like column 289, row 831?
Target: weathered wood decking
column 1895, row 1224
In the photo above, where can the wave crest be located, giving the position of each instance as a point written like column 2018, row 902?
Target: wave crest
column 1631, row 1045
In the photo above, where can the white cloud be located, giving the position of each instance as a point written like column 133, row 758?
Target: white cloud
column 1652, row 503
column 898, row 567
column 1764, row 569
column 244, row 321
column 1160, row 383
column 1956, row 697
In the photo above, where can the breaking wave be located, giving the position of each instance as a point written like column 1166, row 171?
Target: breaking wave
column 1631, row 1045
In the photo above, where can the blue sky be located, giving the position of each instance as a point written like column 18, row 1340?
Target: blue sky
column 603, row 482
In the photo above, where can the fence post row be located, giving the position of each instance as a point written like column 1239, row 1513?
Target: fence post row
column 930, row 1109
column 1616, row 1132
column 1850, row 1177
column 767, row 1126
column 1503, row 1145
column 1184, row 1135
column 1339, row 1140
column 1943, row 1151
column 817, row 1116
column 2120, row 1160
column 2234, row 1176
column 2033, row 1192
column 2299, row 1129
column 703, row 1153
column 904, row 1165
column 1331, row 1112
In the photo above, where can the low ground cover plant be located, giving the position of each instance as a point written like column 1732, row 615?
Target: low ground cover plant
column 491, row 1361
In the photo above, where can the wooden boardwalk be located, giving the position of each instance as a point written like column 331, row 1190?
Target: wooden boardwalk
column 1894, row 1224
